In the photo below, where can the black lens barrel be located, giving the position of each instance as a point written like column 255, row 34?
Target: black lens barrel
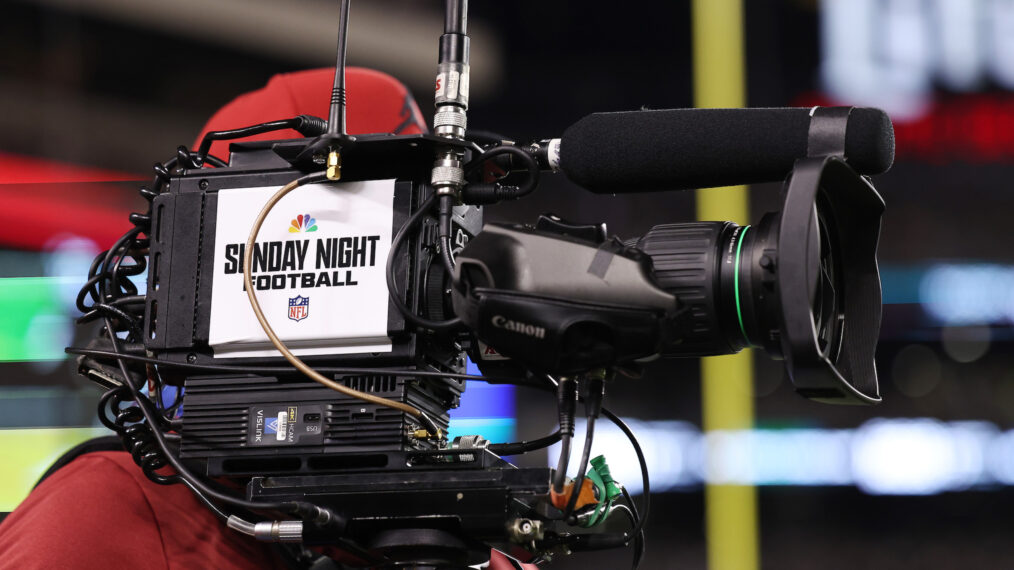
column 723, row 275
column 687, row 263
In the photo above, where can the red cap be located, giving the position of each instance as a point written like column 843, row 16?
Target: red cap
column 375, row 103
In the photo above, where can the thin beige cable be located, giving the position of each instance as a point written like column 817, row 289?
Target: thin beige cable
column 292, row 358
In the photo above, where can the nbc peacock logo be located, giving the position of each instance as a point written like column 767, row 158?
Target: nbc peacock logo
column 303, row 223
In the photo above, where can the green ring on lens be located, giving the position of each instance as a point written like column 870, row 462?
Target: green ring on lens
column 735, row 279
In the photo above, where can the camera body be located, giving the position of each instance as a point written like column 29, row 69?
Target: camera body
column 355, row 278
column 314, row 260
column 367, row 257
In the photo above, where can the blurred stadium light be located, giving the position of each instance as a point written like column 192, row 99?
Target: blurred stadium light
column 884, row 456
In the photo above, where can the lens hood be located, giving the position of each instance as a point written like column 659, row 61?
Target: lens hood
column 828, row 204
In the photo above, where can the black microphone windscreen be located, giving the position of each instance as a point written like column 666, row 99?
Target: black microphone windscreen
column 699, row 148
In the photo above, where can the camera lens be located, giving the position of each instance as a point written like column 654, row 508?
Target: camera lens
column 786, row 285
column 700, row 263
column 725, row 277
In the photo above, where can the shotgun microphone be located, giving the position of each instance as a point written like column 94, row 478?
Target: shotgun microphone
column 678, row 149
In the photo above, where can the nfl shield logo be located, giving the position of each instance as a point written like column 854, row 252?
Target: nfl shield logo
column 299, row 307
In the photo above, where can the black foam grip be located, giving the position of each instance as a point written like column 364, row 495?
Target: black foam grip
column 678, row 149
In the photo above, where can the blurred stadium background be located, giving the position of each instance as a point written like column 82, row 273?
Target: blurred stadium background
column 94, row 92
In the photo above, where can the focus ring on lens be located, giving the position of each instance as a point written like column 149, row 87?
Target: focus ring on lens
column 685, row 259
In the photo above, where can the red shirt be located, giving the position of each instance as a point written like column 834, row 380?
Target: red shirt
column 101, row 512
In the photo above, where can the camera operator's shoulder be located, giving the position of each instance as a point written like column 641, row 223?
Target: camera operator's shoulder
column 100, row 511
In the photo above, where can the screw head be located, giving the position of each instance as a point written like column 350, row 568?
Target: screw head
column 203, row 184
column 191, row 358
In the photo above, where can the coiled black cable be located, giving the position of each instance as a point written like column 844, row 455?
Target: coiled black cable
column 109, row 295
column 140, row 427
column 109, row 274
column 137, row 436
column 140, row 442
column 304, row 510
column 101, row 275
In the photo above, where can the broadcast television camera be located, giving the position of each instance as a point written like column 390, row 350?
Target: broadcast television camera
column 310, row 304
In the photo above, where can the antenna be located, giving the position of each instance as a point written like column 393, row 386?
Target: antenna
column 336, row 115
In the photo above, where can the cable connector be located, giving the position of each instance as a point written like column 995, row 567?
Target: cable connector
column 448, row 176
column 566, row 396
column 334, row 165
column 310, row 126
column 450, row 121
column 269, row 531
column 483, row 194
column 279, row 531
column 320, row 516
column 423, row 433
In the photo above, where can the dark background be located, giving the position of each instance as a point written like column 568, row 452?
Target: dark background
column 106, row 86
